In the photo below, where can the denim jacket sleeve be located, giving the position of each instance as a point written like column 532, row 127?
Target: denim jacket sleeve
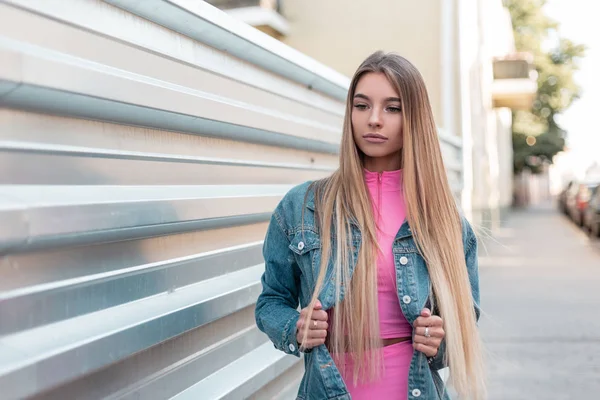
column 276, row 308
column 438, row 362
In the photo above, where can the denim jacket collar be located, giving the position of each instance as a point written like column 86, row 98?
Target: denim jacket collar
column 403, row 233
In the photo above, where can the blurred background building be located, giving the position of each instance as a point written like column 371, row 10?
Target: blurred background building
column 466, row 53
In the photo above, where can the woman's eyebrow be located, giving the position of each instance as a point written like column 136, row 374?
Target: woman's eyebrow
column 364, row 96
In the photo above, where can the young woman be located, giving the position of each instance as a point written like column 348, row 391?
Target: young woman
column 378, row 257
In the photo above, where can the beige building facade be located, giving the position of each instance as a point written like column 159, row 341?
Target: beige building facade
column 341, row 34
column 465, row 52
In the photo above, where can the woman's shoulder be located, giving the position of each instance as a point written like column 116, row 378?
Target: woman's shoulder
column 299, row 191
column 292, row 205
column 468, row 234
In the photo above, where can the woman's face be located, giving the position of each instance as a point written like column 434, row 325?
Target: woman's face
column 377, row 122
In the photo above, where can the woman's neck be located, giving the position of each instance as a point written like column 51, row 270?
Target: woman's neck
column 392, row 162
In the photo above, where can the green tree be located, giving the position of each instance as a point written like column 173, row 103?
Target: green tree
column 537, row 137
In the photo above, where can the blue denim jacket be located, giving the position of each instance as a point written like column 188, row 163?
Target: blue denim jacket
column 292, row 251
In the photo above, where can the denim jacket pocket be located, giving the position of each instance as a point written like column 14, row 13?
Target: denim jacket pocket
column 304, row 241
column 305, row 244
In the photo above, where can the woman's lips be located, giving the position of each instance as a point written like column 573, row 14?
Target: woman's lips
column 374, row 138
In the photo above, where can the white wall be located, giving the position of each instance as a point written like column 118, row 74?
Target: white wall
column 485, row 33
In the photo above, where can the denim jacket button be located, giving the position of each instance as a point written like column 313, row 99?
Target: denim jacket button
column 300, row 245
column 406, row 299
column 292, row 347
column 403, row 260
column 416, row 392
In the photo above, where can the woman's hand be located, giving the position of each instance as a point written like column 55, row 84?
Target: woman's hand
column 428, row 325
column 317, row 327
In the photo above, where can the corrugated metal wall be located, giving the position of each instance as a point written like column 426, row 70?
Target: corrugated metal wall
column 139, row 167
column 143, row 146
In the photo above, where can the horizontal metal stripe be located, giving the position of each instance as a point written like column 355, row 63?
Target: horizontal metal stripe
column 66, row 150
column 454, row 165
column 209, row 25
column 243, row 377
column 111, row 22
column 62, row 84
column 196, row 367
column 45, row 67
column 33, row 306
column 7, row 87
column 42, row 197
column 93, row 341
column 257, row 381
column 457, row 188
column 50, row 215
column 47, row 169
column 136, row 232
column 455, row 141
column 19, row 270
column 67, row 103
column 284, row 387
column 13, row 229
column 41, row 129
column 142, row 368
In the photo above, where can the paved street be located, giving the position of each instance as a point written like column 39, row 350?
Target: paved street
column 540, row 284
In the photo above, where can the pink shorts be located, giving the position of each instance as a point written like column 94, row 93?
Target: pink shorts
column 393, row 384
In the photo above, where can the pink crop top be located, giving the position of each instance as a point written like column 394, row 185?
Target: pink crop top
column 390, row 212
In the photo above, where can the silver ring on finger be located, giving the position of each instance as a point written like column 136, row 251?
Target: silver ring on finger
column 427, row 334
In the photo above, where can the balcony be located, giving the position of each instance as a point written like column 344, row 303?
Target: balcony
column 264, row 15
column 515, row 81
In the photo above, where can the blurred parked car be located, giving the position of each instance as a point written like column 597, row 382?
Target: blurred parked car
column 591, row 216
column 577, row 199
column 562, row 198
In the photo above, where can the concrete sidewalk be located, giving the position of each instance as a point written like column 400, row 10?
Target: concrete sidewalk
column 540, row 288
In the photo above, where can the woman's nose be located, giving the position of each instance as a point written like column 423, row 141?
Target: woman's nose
column 375, row 119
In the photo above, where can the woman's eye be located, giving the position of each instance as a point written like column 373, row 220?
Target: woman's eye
column 360, row 106
column 394, row 109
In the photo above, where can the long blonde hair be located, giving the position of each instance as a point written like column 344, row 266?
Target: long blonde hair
column 435, row 224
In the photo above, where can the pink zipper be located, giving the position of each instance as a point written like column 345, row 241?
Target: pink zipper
column 379, row 184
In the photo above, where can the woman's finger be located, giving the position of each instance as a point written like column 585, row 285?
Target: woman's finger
column 318, row 325
column 318, row 307
column 437, row 332
column 434, row 320
column 431, row 341
column 315, row 338
column 320, row 315
column 311, row 343
column 427, row 350
column 320, row 334
column 312, row 325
